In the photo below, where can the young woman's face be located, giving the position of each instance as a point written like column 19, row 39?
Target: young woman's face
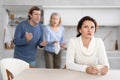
column 55, row 20
column 87, row 30
column 35, row 16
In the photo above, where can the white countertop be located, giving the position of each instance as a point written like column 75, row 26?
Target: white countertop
column 63, row 74
column 114, row 51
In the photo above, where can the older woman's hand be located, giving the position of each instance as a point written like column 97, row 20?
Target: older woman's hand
column 44, row 43
column 63, row 45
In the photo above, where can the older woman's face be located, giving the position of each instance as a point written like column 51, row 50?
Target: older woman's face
column 87, row 30
column 55, row 20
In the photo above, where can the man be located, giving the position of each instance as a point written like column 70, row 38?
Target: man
column 28, row 36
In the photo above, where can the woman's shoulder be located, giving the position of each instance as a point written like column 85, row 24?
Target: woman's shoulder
column 99, row 40
column 47, row 28
column 75, row 39
column 61, row 26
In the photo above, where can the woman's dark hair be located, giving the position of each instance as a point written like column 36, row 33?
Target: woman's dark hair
column 79, row 26
column 31, row 11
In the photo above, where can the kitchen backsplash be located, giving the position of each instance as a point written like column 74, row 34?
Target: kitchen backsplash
column 108, row 34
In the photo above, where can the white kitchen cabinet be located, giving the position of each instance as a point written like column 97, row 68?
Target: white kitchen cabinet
column 105, row 15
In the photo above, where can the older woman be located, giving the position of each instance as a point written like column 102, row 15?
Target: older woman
column 54, row 35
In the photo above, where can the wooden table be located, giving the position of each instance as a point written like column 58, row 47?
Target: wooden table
column 64, row 74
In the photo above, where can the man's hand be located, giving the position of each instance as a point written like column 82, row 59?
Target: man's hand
column 28, row 36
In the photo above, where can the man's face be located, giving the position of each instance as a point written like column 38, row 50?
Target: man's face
column 35, row 16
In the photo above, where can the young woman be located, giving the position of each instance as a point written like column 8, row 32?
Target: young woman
column 54, row 35
column 86, row 53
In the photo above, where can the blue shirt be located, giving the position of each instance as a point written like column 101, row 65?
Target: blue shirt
column 27, row 50
column 51, row 36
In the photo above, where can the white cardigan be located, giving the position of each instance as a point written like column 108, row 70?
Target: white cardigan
column 79, row 58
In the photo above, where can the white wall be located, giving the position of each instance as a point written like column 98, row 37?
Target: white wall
column 2, row 24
